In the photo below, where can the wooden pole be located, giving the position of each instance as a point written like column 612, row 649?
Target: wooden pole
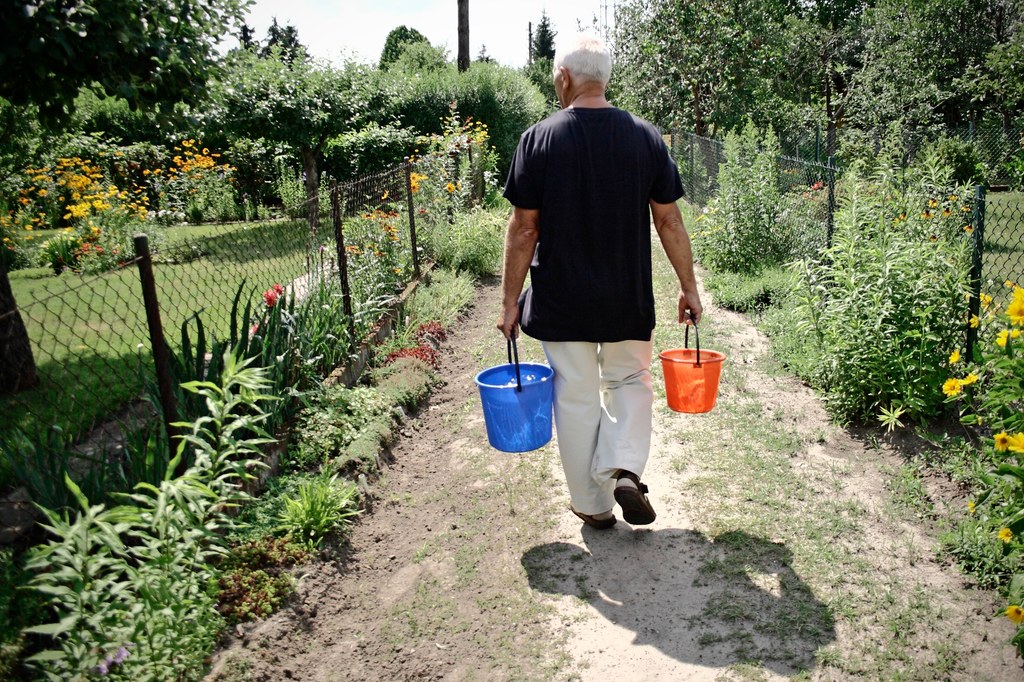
column 412, row 219
column 161, row 353
column 339, row 241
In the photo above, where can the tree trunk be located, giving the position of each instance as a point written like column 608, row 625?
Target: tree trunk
column 700, row 127
column 463, row 35
column 309, row 168
column 17, row 366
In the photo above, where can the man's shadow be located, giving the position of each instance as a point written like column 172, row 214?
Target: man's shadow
column 715, row 602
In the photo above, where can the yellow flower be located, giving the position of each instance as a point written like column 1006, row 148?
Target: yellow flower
column 450, row 187
column 1015, row 614
column 1015, row 310
column 986, row 300
column 975, row 321
column 970, row 507
column 927, row 215
column 1005, row 534
column 969, row 379
column 968, row 229
column 1002, row 441
column 1015, row 443
column 954, row 357
column 1001, row 339
column 952, row 387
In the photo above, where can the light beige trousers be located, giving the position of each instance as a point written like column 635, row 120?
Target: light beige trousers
column 603, row 406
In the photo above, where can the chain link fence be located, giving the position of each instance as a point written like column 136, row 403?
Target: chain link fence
column 341, row 257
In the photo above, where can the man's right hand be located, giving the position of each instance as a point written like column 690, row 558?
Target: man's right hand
column 508, row 323
column 690, row 307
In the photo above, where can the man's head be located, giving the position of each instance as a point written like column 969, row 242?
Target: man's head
column 582, row 62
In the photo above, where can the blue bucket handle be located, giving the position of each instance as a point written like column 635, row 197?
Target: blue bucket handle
column 686, row 338
column 513, row 349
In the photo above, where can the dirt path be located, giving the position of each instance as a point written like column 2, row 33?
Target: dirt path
column 777, row 553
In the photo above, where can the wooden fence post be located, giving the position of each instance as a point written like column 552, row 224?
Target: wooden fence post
column 412, row 219
column 161, row 353
column 339, row 241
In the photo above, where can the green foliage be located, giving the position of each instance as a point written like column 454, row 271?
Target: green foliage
column 473, row 243
column 254, row 581
column 741, row 229
column 19, row 608
column 397, row 41
column 406, row 381
column 879, row 308
column 162, row 54
column 750, row 293
column 417, row 58
column 539, row 73
column 323, row 506
column 960, row 156
column 371, row 149
column 128, row 585
column 543, row 45
column 501, row 97
column 333, row 418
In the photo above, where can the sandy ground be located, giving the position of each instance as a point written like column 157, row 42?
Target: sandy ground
column 468, row 565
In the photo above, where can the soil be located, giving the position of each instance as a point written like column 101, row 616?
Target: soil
column 468, row 565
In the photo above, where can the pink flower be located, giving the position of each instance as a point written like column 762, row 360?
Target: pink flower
column 255, row 328
column 271, row 296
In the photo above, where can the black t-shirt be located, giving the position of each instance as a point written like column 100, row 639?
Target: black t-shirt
column 591, row 173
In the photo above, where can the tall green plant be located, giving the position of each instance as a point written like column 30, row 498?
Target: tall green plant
column 128, row 585
column 741, row 230
column 880, row 306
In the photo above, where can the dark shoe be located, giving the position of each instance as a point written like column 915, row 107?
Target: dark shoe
column 599, row 524
column 636, row 508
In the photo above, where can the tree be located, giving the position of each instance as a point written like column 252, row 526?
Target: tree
column 463, row 35
column 396, row 42
column 543, row 46
column 300, row 105
column 483, row 56
column 420, row 58
column 285, row 39
column 149, row 53
column 247, row 38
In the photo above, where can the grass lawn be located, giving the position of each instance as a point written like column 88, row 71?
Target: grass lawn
column 86, row 332
column 1004, row 242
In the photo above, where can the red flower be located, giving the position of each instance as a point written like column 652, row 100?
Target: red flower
column 279, row 289
column 271, row 296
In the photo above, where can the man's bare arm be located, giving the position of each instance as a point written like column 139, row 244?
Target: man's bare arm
column 668, row 221
column 520, row 242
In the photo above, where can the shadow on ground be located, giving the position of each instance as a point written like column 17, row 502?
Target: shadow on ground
column 714, row 602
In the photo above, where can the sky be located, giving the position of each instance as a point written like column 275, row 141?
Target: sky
column 340, row 29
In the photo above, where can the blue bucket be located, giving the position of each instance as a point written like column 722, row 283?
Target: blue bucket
column 517, row 400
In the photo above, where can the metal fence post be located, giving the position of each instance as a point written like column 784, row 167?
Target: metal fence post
column 830, row 224
column 339, row 242
column 412, row 219
column 974, row 306
column 161, row 353
column 692, row 181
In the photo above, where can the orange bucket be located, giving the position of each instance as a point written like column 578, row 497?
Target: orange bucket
column 691, row 376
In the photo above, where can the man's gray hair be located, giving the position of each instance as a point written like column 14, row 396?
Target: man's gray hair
column 586, row 57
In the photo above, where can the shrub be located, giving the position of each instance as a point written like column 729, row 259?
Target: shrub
column 750, row 293
column 333, row 418
column 369, row 150
column 880, row 305
column 960, row 156
column 499, row 96
column 741, row 230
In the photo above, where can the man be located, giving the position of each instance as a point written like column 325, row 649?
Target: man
column 584, row 184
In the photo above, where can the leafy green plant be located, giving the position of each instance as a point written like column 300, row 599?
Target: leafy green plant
column 878, row 309
column 60, row 252
column 472, row 243
column 740, row 230
column 750, row 293
column 323, row 505
column 254, row 581
column 989, row 388
column 332, row 419
column 128, row 585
